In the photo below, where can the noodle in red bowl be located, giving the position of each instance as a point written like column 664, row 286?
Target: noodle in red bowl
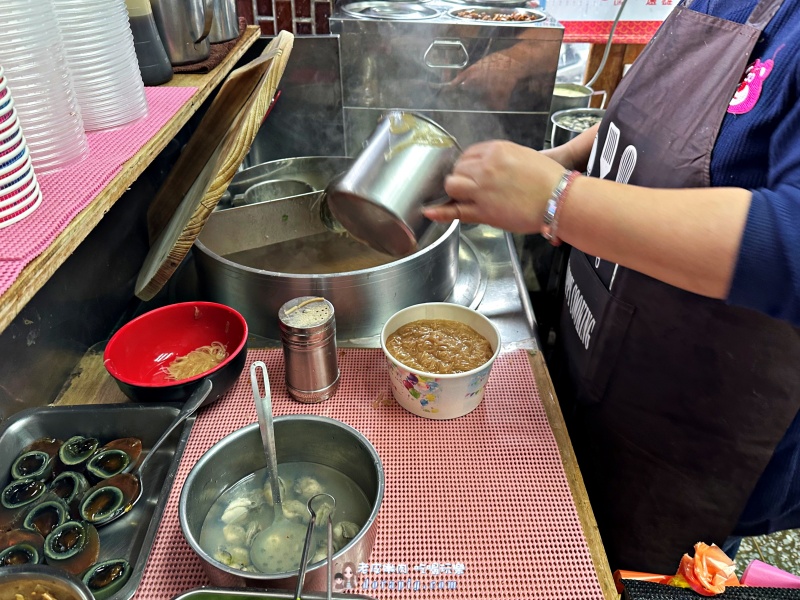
column 164, row 355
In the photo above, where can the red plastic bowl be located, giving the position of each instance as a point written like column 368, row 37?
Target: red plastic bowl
column 137, row 352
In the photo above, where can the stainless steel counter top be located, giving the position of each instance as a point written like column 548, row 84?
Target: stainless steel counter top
column 506, row 300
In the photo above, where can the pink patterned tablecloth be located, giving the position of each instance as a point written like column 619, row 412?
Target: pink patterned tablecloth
column 68, row 191
column 474, row 508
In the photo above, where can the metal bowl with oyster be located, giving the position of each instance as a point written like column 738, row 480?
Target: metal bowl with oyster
column 226, row 505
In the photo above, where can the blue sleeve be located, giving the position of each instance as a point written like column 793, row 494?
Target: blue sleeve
column 767, row 274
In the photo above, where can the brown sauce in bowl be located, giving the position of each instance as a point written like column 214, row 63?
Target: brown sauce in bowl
column 439, row 346
column 32, row 589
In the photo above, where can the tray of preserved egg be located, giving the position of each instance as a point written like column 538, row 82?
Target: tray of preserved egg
column 68, row 497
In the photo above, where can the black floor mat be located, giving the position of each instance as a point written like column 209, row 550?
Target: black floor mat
column 646, row 590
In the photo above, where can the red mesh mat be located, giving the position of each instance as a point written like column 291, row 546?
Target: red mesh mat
column 477, row 507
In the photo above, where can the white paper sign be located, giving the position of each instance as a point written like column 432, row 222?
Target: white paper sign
column 606, row 10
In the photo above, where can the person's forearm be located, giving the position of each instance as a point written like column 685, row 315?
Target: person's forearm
column 688, row 238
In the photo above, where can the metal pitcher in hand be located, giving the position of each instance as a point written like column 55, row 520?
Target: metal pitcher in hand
column 184, row 26
column 401, row 168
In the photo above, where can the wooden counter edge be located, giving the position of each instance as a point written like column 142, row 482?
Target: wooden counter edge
column 548, row 398
column 40, row 269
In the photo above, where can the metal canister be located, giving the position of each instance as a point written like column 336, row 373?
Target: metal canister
column 308, row 334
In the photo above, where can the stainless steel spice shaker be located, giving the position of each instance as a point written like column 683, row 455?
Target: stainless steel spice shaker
column 308, row 335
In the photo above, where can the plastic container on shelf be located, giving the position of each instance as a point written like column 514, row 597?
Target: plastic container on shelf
column 100, row 52
column 153, row 61
column 19, row 189
column 36, row 73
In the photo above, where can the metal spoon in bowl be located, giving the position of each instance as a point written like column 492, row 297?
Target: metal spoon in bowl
column 111, row 498
column 329, row 566
column 270, row 550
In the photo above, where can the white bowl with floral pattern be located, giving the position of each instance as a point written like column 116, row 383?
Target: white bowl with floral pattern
column 435, row 395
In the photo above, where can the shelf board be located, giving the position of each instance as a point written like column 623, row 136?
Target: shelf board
column 36, row 273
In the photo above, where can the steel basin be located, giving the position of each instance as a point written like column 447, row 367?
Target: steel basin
column 303, row 438
column 363, row 299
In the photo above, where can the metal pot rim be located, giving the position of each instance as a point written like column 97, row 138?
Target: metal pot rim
column 247, row 429
column 572, row 111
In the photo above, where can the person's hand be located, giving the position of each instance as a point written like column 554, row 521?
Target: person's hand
column 501, row 184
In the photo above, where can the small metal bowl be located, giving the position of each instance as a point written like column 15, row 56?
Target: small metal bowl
column 563, row 131
column 298, row 438
column 390, row 10
column 23, row 579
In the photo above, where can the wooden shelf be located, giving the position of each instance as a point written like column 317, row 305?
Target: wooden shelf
column 41, row 268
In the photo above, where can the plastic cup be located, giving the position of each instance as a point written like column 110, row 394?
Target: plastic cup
column 20, row 182
column 87, row 78
column 11, row 143
column 37, row 72
column 71, row 24
column 92, row 60
column 7, row 110
column 14, row 163
column 62, row 142
column 124, row 91
column 24, row 210
column 21, row 167
column 8, row 201
column 9, row 126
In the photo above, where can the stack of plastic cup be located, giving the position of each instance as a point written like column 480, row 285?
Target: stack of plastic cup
column 100, row 52
column 36, row 69
column 19, row 189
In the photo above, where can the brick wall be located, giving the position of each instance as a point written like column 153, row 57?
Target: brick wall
column 301, row 17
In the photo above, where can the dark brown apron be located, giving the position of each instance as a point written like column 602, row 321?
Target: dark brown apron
column 675, row 401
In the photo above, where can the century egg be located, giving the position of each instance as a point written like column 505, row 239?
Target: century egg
column 106, row 578
column 110, row 498
column 16, row 497
column 73, row 546
column 74, row 453
column 69, row 485
column 107, row 463
column 32, row 464
column 20, row 547
column 45, row 516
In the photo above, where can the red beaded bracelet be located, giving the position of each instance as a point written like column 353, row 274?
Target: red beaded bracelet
column 554, row 205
